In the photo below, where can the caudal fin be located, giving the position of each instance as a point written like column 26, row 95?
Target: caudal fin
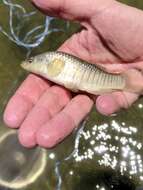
column 134, row 81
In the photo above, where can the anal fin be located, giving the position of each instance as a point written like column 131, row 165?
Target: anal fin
column 71, row 86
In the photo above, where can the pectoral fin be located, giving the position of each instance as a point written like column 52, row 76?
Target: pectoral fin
column 71, row 86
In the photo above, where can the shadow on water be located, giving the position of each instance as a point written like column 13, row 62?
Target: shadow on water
column 106, row 153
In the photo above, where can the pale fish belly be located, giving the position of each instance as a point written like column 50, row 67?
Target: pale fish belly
column 78, row 76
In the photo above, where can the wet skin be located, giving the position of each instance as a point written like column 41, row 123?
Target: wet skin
column 47, row 113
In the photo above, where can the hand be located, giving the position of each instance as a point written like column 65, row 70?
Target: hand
column 112, row 36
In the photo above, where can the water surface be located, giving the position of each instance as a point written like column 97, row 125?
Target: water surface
column 105, row 154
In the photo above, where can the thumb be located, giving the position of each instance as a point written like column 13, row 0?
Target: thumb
column 71, row 9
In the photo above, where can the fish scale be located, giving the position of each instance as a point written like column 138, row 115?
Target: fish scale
column 74, row 73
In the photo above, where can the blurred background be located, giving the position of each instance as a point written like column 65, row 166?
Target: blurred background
column 105, row 153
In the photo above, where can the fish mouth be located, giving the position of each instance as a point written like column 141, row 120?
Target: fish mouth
column 32, row 67
column 23, row 64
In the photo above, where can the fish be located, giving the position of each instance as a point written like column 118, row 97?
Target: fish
column 74, row 73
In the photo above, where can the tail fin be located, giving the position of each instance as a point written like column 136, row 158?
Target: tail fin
column 134, row 81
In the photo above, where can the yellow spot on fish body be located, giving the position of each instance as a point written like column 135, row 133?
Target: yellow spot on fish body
column 55, row 67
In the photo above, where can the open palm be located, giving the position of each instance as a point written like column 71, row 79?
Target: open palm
column 46, row 113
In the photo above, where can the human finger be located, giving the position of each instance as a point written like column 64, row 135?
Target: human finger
column 24, row 99
column 50, row 103
column 111, row 103
column 71, row 9
column 55, row 130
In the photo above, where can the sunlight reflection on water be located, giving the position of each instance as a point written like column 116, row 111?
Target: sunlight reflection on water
column 114, row 145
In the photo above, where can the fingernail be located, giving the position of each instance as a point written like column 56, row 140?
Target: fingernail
column 11, row 120
column 13, row 117
column 45, row 140
column 106, row 105
column 26, row 138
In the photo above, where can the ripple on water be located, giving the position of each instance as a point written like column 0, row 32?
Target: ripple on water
column 19, row 166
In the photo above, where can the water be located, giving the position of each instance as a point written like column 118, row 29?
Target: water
column 17, row 160
column 106, row 153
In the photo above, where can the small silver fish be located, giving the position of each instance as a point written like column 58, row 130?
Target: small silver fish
column 73, row 73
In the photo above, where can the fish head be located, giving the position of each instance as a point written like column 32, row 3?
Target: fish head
column 37, row 64
column 45, row 65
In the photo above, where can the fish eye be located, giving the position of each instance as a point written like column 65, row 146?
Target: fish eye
column 30, row 60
